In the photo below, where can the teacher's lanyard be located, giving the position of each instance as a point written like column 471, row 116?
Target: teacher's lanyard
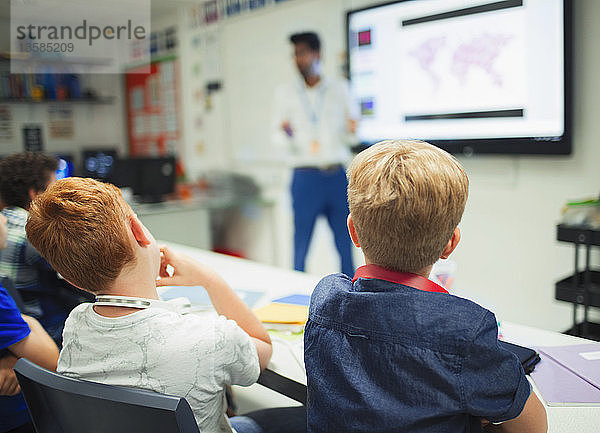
column 313, row 112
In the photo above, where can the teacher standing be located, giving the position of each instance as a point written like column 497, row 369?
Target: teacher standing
column 315, row 122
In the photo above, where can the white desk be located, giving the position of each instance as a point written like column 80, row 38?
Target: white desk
column 192, row 221
column 276, row 282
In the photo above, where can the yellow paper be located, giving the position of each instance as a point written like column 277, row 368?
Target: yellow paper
column 282, row 313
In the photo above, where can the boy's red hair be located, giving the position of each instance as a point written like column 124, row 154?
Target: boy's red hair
column 79, row 226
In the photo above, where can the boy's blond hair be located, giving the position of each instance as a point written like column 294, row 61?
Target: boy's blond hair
column 406, row 198
column 80, row 227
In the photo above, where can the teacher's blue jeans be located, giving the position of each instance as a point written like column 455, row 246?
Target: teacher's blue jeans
column 321, row 192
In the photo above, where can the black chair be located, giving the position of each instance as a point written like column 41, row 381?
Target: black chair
column 60, row 404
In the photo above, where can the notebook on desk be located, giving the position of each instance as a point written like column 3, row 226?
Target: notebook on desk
column 582, row 360
column 294, row 300
column 559, row 386
column 282, row 313
column 528, row 357
column 285, row 314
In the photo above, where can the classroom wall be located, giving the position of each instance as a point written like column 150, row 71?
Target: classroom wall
column 206, row 147
column 508, row 258
column 95, row 125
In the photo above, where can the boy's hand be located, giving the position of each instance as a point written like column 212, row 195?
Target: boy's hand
column 186, row 271
column 8, row 381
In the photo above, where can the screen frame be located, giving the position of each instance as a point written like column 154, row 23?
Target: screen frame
column 508, row 145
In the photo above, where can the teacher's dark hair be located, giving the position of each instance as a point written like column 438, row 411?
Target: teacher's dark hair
column 309, row 38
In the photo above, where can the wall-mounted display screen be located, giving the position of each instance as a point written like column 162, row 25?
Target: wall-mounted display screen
column 467, row 75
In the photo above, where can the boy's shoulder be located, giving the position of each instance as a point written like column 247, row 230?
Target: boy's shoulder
column 335, row 286
column 151, row 317
column 188, row 329
column 170, row 338
column 390, row 310
column 80, row 310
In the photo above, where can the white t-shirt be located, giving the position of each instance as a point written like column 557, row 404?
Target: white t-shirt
column 316, row 114
column 185, row 355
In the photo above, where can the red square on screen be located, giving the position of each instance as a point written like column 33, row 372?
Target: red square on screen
column 364, row 38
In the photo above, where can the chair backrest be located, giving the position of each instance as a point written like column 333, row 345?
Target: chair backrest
column 60, row 404
column 13, row 292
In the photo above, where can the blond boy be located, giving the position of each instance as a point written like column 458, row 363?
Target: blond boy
column 391, row 351
column 89, row 234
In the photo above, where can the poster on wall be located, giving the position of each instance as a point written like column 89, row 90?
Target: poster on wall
column 7, row 124
column 60, row 121
column 211, row 11
column 152, row 115
column 32, row 138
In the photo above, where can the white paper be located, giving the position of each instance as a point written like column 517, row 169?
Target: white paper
column 591, row 356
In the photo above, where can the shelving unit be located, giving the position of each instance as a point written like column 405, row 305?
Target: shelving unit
column 48, row 79
column 582, row 287
column 99, row 101
column 49, row 59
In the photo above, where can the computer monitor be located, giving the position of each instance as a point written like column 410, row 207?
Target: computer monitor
column 125, row 173
column 150, row 178
column 98, row 163
column 65, row 165
column 156, row 178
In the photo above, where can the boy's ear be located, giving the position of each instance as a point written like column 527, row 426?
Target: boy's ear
column 452, row 243
column 352, row 231
column 138, row 231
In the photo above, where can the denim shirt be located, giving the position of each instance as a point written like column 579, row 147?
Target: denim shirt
column 382, row 356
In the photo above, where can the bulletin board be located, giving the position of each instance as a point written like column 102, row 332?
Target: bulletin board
column 152, row 109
